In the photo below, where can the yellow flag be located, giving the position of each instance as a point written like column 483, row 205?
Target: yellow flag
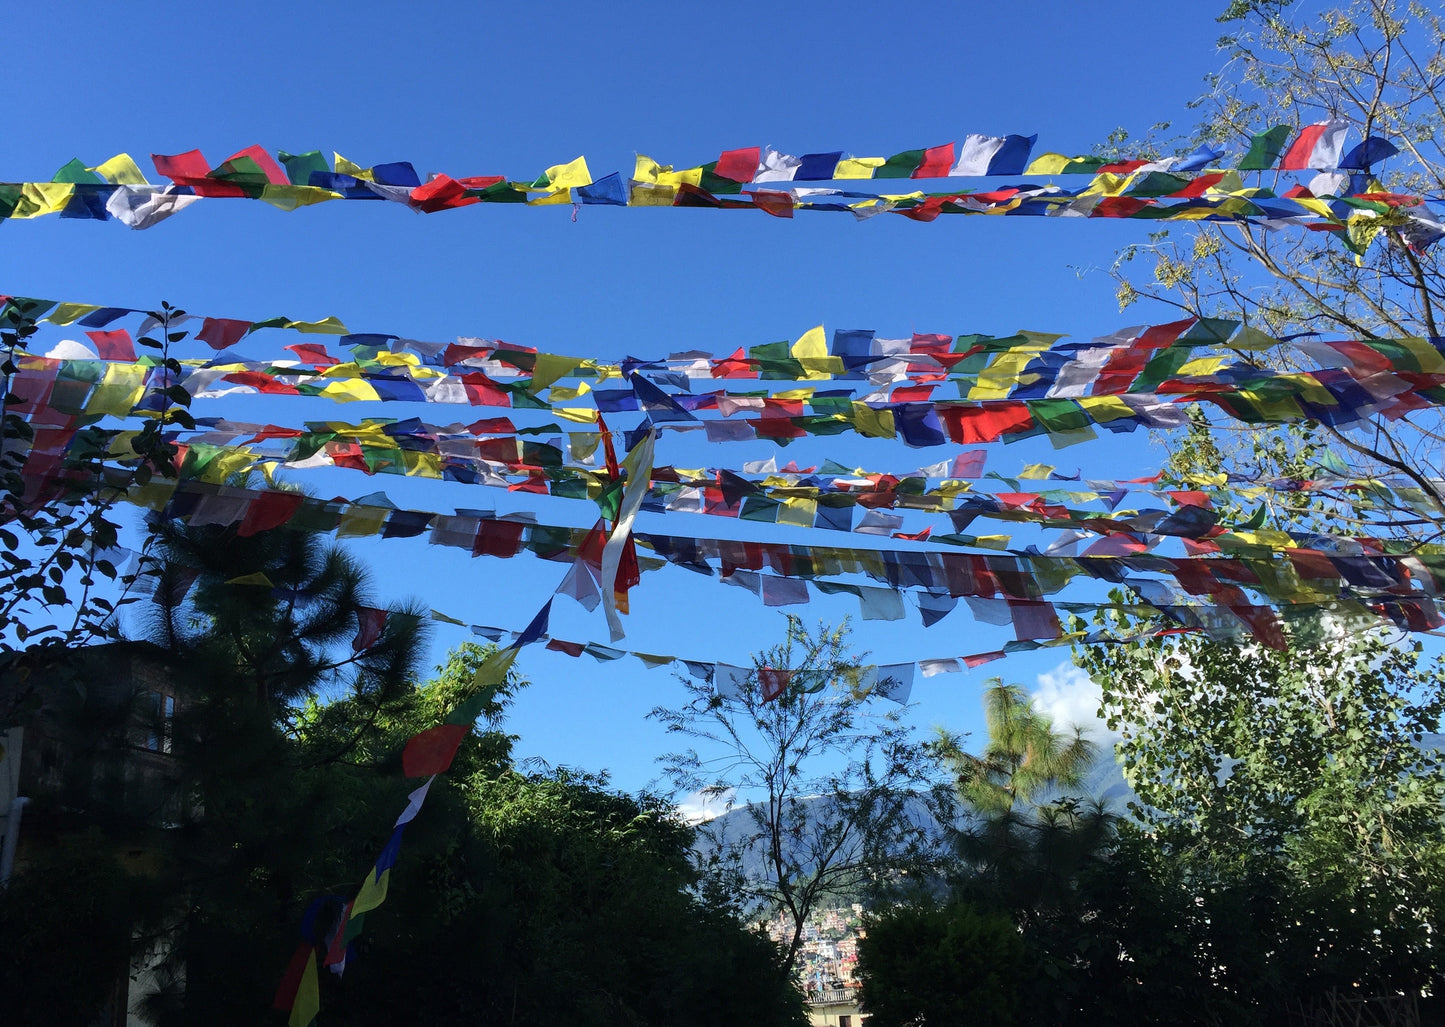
column 800, row 512
column 876, row 424
column 346, row 167
column 568, row 176
column 421, row 465
column 1202, row 366
column 39, row 198
column 350, row 390
column 120, row 447
column 308, row 996
column 858, row 167
column 1103, row 409
column 548, row 369
column 1048, row 164
column 811, row 350
column 251, row 579
column 326, row 326
column 1107, row 185
column 118, row 391
column 120, row 170
column 361, row 521
column 293, row 197
column 649, row 172
column 561, row 393
column 581, row 415
column 372, row 893
column 69, row 313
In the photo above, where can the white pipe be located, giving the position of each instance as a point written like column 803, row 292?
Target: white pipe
column 12, row 836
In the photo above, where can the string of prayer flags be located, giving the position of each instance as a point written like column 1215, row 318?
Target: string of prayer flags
column 426, row 754
column 1028, row 365
column 826, row 501
column 1300, row 578
column 116, row 189
column 1009, row 388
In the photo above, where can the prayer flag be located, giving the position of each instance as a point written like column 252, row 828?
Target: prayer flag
column 773, row 682
column 432, row 751
column 993, row 155
column 1318, row 146
column 1264, row 149
column 369, row 623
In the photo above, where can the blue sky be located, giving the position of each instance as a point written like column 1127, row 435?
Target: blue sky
column 509, row 89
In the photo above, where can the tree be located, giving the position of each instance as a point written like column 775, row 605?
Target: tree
column 60, row 481
column 1026, row 836
column 252, row 628
column 1294, row 782
column 1025, row 756
column 66, row 924
column 837, row 793
column 1287, row 808
column 924, row 963
column 1031, row 847
column 1376, row 66
column 1288, row 791
column 530, row 898
column 552, row 899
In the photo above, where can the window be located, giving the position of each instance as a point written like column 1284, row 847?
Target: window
column 160, row 712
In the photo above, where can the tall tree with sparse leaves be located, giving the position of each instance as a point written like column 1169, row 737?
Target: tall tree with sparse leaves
column 836, row 794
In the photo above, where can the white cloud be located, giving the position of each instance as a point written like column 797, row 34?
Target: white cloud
column 700, row 807
column 1070, row 698
column 69, row 349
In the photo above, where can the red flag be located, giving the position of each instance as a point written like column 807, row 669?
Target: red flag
column 286, row 992
column 498, row 538
column 937, row 162
column 369, row 624
column 483, row 392
column 273, row 171
column 220, row 332
column 441, row 193
column 773, row 682
column 1120, row 206
column 771, row 201
column 738, row 165
column 312, row 352
column 181, row 166
column 269, row 510
column 972, row 425
column 114, row 345
column 1263, row 624
column 336, row 950
column 432, row 751
column 609, row 451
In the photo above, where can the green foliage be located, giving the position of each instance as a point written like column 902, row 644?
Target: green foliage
column 548, row 898
column 1300, row 773
column 559, row 901
column 832, row 786
column 1023, row 758
column 66, row 931
column 265, row 817
column 924, row 963
column 59, row 484
column 360, row 732
column 1031, row 848
column 1377, row 65
column 521, row 899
